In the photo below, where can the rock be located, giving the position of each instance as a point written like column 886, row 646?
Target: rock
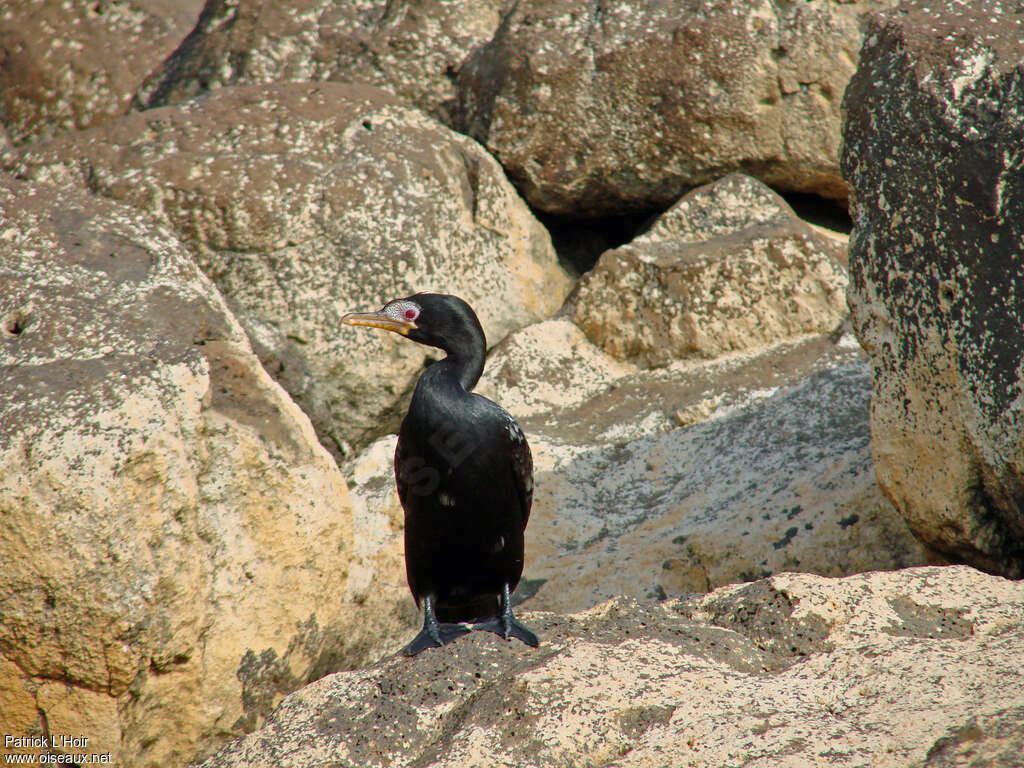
column 788, row 670
column 727, row 500
column 75, row 63
column 770, row 471
column 728, row 267
column 307, row 201
column 936, row 275
column 993, row 739
column 667, row 482
column 177, row 545
column 411, row 48
column 546, row 366
column 598, row 109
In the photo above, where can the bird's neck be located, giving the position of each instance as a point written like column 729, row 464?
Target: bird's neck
column 465, row 364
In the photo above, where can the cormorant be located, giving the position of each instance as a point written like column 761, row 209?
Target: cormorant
column 465, row 479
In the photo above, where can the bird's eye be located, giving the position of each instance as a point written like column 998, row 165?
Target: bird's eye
column 410, row 314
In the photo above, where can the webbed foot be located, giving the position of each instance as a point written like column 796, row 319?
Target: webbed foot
column 441, row 634
column 434, row 634
column 507, row 625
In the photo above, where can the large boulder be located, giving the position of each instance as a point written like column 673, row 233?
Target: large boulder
column 548, row 366
column 410, row 47
column 304, row 201
column 74, row 63
column 911, row 668
column 177, row 546
column 935, row 122
column 603, row 108
column 728, row 267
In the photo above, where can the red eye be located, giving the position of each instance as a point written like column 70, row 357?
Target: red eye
column 410, row 314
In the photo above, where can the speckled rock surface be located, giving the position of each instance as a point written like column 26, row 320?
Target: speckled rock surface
column 993, row 739
column 412, row 48
column 879, row 669
column 548, row 365
column 74, row 63
column 177, row 546
column 932, row 149
column 595, row 108
column 728, row 267
column 662, row 483
column 307, row 201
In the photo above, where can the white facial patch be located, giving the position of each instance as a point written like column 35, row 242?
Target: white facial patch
column 407, row 311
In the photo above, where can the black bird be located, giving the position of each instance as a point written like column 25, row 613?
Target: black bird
column 465, row 479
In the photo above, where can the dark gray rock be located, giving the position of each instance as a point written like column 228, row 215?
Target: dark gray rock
column 933, row 137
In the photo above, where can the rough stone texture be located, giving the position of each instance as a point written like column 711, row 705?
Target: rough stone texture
column 74, row 63
column 597, row 108
column 773, row 474
column 412, row 48
column 995, row 740
column 306, row 201
column 684, row 479
column 176, row 546
column 932, row 149
column 548, row 365
column 728, row 267
column 795, row 670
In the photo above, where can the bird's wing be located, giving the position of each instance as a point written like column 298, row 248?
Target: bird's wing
column 522, row 466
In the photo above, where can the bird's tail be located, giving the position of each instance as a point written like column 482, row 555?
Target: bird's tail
column 474, row 608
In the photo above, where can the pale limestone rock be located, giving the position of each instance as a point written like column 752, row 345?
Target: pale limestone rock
column 177, row 543
column 778, row 477
column 878, row 669
column 305, row 201
column 728, row 267
column 76, row 712
column 19, row 715
column 546, row 366
column 378, row 523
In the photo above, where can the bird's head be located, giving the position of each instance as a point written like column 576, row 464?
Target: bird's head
column 435, row 319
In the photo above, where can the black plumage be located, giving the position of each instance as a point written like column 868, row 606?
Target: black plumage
column 465, row 478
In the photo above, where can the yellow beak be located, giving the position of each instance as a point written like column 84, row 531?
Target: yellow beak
column 379, row 320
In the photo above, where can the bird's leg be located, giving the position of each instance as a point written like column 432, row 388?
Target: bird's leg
column 506, row 624
column 434, row 634
column 512, row 626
